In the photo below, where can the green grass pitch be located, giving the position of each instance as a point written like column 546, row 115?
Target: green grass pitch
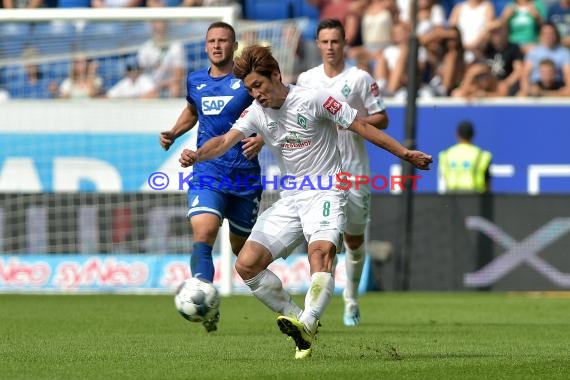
column 402, row 336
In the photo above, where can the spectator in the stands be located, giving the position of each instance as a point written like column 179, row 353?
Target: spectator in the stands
column 404, row 10
column 210, row 3
column 390, row 72
column 162, row 3
column 203, row 3
column 430, row 16
column 135, row 85
column 376, row 33
column 376, row 24
column 549, row 47
column 82, row 82
column 32, row 83
column 197, row 3
column 471, row 17
column 499, row 71
column 116, row 3
column 163, row 60
column 523, row 18
column 23, row 4
column 445, row 59
column 4, row 95
column 559, row 15
column 548, row 84
column 348, row 12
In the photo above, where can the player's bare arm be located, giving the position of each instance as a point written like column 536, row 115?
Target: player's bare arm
column 213, row 148
column 252, row 146
column 185, row 122
column 419, row 159
column 378, row 120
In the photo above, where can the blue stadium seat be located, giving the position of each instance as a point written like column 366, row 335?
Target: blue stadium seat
column 58, row 70
column 112, row 70
column 265, row 10
column 136, row 32
column 185, row 29
column 448, row 6
column 6, row 75
column 196, row 56
column 54, row 37
column 500, row 6
column 303, row 9
column 101, row 36
column 74, row 4
column 309, row 28
column 13, row 39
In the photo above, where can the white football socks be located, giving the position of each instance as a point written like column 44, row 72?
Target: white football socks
column 354, row 265
column 267, row 288
column 318, row 297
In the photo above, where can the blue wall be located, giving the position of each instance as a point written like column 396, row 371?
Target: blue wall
column 516, row 135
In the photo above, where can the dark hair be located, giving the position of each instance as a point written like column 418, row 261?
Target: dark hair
column 223, row 25
column 255, row 58
column 465, row 130
column 331, row 23
column 547, row 62
column 132, row 64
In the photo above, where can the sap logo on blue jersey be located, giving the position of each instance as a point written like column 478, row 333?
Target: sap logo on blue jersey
column 214, row 105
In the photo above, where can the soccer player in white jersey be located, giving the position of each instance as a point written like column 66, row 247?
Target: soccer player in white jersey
column 299, row 125
column 359, row 90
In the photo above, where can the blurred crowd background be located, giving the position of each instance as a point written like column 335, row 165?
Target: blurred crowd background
column 468, row 49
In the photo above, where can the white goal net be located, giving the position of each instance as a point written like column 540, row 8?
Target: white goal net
column 74, row 172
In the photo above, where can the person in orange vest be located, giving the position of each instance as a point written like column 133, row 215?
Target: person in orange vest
column 464, row 167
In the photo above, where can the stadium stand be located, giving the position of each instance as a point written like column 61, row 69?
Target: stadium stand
column 302, row 9
column 101, row 36
column 73, row 4
column 63, row 32
column 13, row 39
column 110, row 42
column 264, row 10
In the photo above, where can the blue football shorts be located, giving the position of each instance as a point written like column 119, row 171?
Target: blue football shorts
column 235, row 199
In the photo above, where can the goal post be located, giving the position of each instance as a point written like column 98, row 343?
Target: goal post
column 73, row 173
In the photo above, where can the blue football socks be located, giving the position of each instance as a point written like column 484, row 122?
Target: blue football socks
column 201, row 262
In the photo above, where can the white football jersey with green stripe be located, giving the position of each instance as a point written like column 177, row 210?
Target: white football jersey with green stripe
column 302, row 134
column 357, row 88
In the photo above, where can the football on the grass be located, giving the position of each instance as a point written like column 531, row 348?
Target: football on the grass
column 197, row 300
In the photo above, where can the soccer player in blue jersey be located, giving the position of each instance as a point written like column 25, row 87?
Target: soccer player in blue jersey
column 215, row 99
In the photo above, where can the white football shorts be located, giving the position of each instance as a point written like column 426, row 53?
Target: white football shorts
column 307, row 215
column 357, row 211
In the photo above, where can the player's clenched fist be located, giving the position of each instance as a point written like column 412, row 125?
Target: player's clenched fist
column 419, row 159
column 188, row 158
column 167, row 139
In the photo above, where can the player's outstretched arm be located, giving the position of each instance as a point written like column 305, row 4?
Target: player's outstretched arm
column 213, row 148
column 252, row 146
column 419, row 159
column 185, row 122
column 378, row 120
